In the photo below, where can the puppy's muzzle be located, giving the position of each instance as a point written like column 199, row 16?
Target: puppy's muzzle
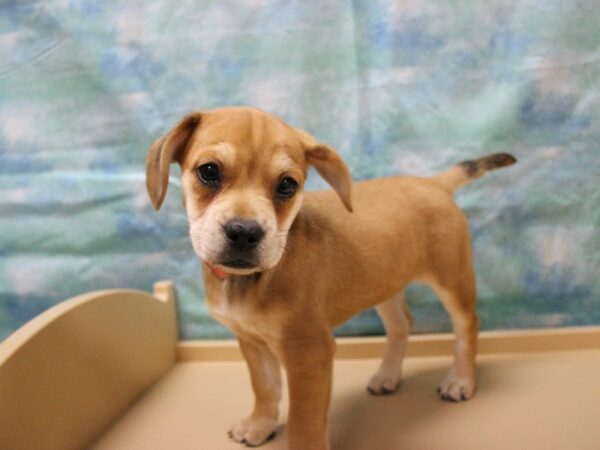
column 243, row 237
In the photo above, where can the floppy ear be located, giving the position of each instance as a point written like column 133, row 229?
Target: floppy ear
column 164, row 151
column 329, row 165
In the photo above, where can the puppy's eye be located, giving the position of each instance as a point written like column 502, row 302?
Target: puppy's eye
column 209, row 174
column 287, row 187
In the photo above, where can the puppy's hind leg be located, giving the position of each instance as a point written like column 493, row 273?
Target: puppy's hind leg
column 459, row 298
column 397, row 321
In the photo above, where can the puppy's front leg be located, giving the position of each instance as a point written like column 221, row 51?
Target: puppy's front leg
column 265, row 375
column 309, row 364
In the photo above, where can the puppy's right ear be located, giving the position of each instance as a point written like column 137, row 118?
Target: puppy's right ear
column 165, row 150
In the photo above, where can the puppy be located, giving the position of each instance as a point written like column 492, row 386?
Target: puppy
column 283, row 268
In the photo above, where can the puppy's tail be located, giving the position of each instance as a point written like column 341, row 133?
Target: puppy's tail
column 467, row 171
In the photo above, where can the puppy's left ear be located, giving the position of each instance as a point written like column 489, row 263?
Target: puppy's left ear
column 165, row 150
column 329, row 165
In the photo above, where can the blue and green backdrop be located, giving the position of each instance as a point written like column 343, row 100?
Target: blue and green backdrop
column 398, row 87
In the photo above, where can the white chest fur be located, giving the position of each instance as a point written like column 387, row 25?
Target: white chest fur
column 238, row 312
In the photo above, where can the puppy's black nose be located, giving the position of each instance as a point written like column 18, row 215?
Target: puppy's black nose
column 243, row 234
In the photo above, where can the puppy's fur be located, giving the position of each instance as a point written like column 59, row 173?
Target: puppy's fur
column 317, row 263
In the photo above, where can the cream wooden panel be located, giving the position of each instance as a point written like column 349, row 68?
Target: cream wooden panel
column 513, row 341
column 69, row 373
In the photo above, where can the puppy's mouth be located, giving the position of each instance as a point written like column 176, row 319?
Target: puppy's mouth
column 225, row 269
column 238, row 264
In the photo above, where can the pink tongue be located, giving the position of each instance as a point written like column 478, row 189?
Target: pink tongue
column 219, row 273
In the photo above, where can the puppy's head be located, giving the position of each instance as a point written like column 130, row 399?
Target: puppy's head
column 242, row 177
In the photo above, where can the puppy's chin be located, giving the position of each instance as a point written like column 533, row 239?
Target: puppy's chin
column 236, row 271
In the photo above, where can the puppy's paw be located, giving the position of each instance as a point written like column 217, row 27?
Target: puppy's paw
column 455, row 388
column 252, row 431
column 383, row 382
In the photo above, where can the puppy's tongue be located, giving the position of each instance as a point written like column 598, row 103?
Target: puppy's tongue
column 219, row 273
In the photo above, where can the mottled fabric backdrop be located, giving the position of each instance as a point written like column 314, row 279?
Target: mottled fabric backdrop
column 398, row 87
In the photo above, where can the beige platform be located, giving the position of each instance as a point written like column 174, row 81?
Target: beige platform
column 105, row 371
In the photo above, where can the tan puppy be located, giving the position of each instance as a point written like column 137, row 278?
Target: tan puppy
column 283, row 267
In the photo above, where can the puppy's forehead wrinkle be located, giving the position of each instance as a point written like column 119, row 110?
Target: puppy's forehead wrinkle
column 225, row 152
column 283, row 162
column 246, row 127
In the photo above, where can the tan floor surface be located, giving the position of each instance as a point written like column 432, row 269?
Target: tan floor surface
column 543, row 401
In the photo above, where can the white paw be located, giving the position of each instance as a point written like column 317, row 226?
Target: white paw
column 253, row 432
column 455, row 388
column 383, row 382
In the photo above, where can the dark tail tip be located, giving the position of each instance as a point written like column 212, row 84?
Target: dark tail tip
column 478, row 167
column 497, row 160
